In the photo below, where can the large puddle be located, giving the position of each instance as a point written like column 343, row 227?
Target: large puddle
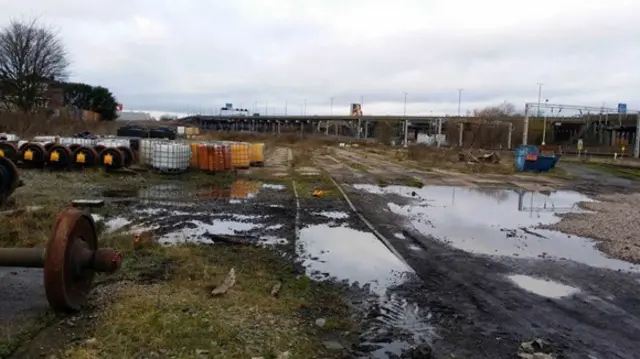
column 201, row 214
column 498, row 222
column 359, row 258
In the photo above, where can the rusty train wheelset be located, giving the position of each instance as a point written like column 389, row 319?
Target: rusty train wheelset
column 70, row 260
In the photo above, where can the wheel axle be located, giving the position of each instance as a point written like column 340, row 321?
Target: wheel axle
column 70, row 260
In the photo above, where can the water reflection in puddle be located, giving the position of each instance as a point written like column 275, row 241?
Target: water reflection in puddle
column 498, row 222
column 172, row 192
column 196, row 231
column 334, row 214
column 542, row 287
column 359, row 257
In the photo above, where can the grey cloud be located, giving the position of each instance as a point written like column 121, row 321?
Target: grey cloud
column 210, row 53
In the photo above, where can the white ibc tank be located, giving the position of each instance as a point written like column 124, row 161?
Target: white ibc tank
column 114, row 142
column 170, row 156
column 46, row 139
column 86, row 142
column 146, row 149
column 9, row 137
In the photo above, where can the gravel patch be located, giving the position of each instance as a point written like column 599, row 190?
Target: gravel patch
column 615, row 222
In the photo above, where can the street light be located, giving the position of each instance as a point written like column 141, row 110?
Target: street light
column 459, row 100
column 405, row 104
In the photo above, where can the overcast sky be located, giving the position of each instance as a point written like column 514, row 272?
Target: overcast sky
column 196, row 55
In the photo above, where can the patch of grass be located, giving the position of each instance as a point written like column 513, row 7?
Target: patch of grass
column 413, row 182
column 27, row 228
column 358, row 166
column 560, row 173
column 177, row 317
column 306, row 185
column 424, row 158
column 620, row 171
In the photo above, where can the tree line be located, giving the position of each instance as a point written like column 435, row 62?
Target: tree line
column 32, row 59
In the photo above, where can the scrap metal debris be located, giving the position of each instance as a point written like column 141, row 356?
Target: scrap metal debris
column 534, row 350
column 275, row 290
column 484, row 157
column 228, row 282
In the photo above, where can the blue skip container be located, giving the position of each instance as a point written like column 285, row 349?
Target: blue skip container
column 528, row 159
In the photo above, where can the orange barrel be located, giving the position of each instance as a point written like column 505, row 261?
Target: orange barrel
column 244, row 155
column 194, row 155
column 220, row 158
column 226, row 152
column 202, row 157
column 211, row 157
column 256, row 156
column 233, row 148
column 216, row 157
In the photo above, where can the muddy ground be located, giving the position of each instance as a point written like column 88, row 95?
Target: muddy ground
column 449, row 263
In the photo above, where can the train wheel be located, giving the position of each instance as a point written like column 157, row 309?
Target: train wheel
column 33, row 154
column 129, row 157
column 112, row 158
column 8, row 150
column 9, row 178
column 60, row 156
column 85, row 156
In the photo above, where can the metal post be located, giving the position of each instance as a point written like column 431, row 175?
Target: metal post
column 366, row 129
column 539, row 97
column 326, row 128
column 636, row 144
column 406, row 123
column 459, row 100
column 544, row 130
column 509, row 136
column 460, row 134
column 525, row 125
column 439, row 132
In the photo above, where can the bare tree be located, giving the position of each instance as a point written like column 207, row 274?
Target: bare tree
column 31, row 57
column 505, row 109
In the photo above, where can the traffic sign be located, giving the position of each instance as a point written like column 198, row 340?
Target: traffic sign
column 622, row 108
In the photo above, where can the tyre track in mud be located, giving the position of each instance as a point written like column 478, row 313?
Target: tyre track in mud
column 397, row 327
column 479, row 314
column 390, row 325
